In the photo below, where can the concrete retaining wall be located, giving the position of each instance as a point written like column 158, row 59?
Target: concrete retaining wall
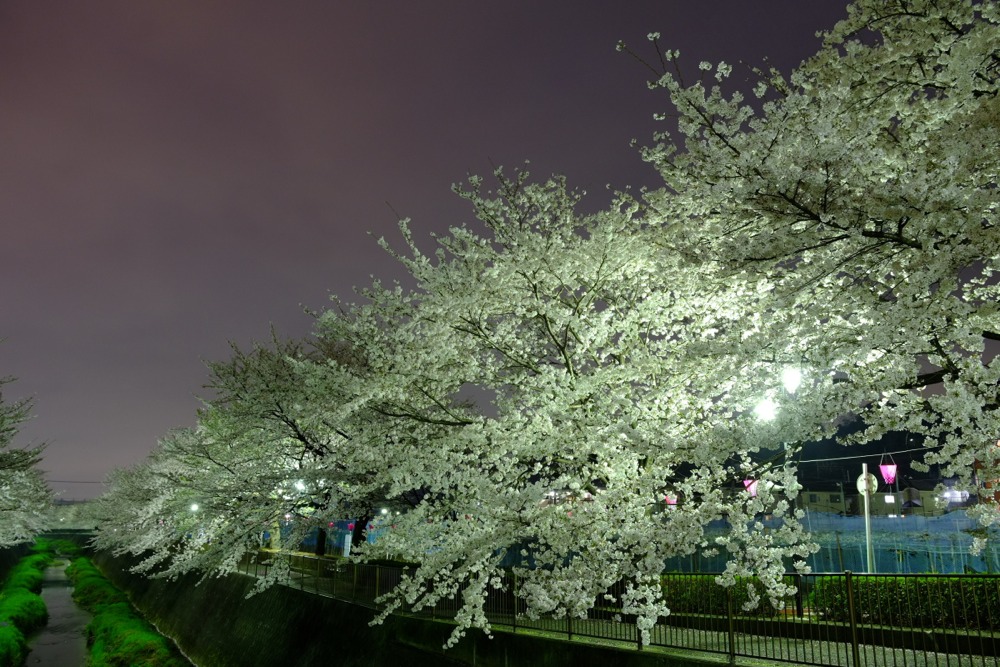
column 216, row 625
column 9, row 558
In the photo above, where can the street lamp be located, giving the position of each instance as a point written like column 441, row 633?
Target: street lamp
column 867, row 486
column 791, row 378
column 766, row 410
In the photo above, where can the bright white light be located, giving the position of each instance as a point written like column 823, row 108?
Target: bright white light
column 955, row 496
column 766, row 410
column 890, row 499
column 791, row 378
column 384, row 511
column 194, row 507
column 300, row 485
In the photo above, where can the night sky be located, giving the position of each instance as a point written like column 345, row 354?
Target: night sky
column 176, row 175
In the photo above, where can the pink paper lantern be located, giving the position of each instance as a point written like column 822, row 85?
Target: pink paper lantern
column 751, row 486
column 350, row 527
column 888, row 471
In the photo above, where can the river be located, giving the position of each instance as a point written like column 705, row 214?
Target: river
column 63, row 641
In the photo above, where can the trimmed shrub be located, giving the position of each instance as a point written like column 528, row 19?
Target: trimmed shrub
column 117, row 635
column 90, row 588
column 13, row 645
column 56, row 547
column 27, row 574
column 700, row 594
column 121, row 637
column 22, row 610
column 947, row 602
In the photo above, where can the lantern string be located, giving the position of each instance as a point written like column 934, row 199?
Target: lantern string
column 868, row 456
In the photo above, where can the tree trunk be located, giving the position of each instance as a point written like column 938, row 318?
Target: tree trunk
column 320, row 541
column 276, row 535
column 358, row 536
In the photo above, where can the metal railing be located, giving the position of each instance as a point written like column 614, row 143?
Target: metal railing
column 856, row 620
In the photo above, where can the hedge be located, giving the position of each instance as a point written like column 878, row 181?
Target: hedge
column 117, row 635
column 953, row 602
column 22, row 610
column 700, row 594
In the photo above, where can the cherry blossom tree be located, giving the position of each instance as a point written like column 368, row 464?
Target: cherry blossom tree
column 843, row 225
column 552, row 376
column 25, row 498
column 268, row 455
column 540, row 373
column 856, row 199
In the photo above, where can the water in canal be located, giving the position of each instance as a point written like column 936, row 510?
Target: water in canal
column 63, row 641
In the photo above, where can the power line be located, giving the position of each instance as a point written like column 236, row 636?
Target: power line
column 72, row 481
column 868, row 456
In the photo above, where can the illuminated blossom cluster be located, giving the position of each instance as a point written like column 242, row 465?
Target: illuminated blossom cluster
column 25, row 498
column 551, row 376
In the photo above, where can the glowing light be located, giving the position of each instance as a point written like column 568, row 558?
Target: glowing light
column 791, row 378
column 766, row 410
column 194, row 507
column 954, row 496
column 888, row 471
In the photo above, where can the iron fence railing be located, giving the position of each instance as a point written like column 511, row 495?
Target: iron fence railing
column 855, row 620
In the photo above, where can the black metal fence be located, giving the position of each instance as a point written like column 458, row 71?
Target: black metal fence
column 856, row 620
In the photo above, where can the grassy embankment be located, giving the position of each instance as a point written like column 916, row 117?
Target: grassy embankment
column 117, row 635
column 22, row 610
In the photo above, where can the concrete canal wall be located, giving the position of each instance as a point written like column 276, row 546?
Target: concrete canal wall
column 216, row 625
column 9, row 558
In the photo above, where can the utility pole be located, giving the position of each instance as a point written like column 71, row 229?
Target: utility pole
column 866, row 487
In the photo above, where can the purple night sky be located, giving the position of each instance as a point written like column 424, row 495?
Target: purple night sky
column 176, row 175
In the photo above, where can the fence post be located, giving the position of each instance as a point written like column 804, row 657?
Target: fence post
column 852, row 617
column 799, row 611
column 569, row 625
column 732, row 626
column 513, row 594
